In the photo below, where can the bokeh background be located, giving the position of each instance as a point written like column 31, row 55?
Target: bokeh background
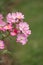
column 32, row 52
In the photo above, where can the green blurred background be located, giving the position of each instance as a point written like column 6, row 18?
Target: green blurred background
column 32, row 52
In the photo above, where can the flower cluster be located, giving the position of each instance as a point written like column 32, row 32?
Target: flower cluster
column 15, row 26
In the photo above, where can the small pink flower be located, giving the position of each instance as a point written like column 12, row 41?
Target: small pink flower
column 11, row 18
column 1, row 44
column 1, row 16
column 2, row 24
column 22, row 38
column 8, row 27
column 14, row 32
column 24, row 27
column 19, row 15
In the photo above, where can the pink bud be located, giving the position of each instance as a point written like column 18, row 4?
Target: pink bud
column 1, row 44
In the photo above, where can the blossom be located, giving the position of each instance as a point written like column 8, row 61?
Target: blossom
column 11, row 18
column 24, row 27
column 22, row 38
column 19, row 15
column 1, row 44
column 1, row 16
column 8, row 27
column 15, row 26
column 14, row 32
column 2, row 24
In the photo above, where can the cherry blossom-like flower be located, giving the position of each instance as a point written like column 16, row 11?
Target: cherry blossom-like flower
column 21, row 38
column 24, row 27
column 14, row 32
column 2, row 24
column 11, row 18
column 1, row 16
column 8, row 27
column 1, row 44
column 19, row 15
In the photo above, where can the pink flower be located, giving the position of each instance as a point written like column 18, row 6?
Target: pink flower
column 11, row 18
column 22, row 38
column 19, row 15
column 2, row 24
column 1, row 16
column 24, row 27
column 8, row 27
column 14, row 32
column 1, row 44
